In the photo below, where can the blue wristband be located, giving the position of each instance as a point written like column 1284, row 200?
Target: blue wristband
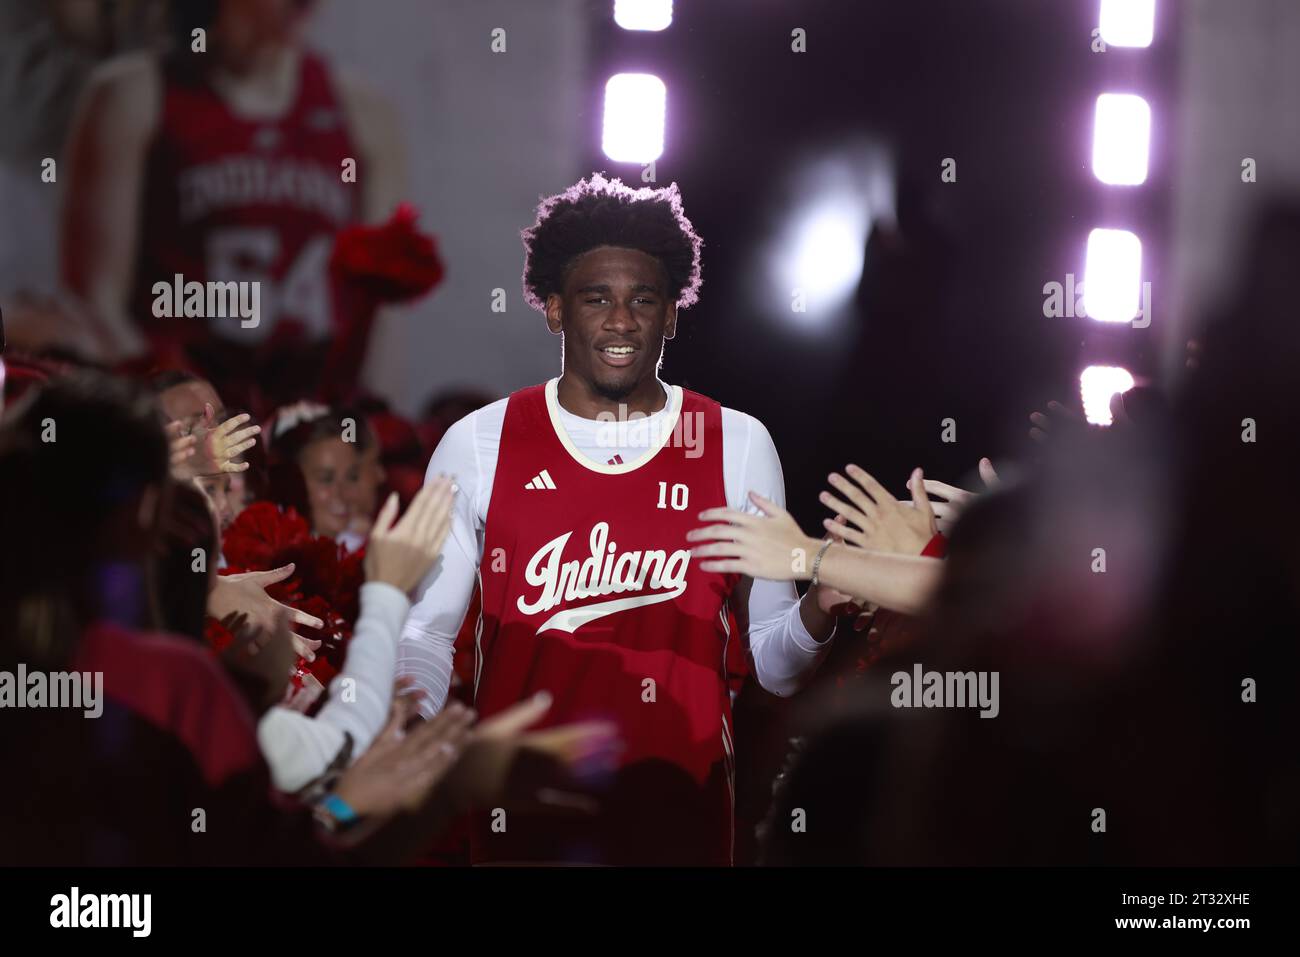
column 339, row 809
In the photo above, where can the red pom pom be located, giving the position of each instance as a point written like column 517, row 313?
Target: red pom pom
column 394, row 262
column 326, row 581
column 260, row 533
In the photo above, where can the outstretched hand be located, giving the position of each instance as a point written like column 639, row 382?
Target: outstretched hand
column 182, row 448
column 401, row 552
column 211, row 448
column 246, row 592
column 953, row 499
column 770, row 545
column 400, row 768
column 872, row 518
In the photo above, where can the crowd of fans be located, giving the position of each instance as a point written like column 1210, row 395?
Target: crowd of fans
column 1134, row 588
column 235, row 556
column 116, row 493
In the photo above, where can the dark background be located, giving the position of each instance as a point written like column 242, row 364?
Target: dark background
column 948, row 318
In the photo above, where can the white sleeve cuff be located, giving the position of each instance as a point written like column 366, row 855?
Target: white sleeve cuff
column 803, row 640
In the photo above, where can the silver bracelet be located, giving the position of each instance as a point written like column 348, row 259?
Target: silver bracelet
column 817, row 562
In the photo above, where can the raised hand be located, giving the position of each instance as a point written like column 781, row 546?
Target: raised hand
column 210, row 449
column 400, row 768
column 954, row 499
column 770, row 546
column 182, row 448
column 217, row 446
column 869, row 517
column 401, row 554
column 246, row 592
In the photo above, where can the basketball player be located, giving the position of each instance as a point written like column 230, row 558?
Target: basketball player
column 225, row 165
column 575, row 499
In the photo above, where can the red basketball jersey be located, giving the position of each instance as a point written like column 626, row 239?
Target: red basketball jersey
column 590, row 593
column 243, row 200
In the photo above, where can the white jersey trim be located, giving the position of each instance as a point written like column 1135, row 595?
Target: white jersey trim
column 665, row 432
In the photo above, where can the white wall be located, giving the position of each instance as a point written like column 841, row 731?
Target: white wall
column 487, row 134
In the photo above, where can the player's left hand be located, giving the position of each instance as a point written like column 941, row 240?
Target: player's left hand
column 770, row 545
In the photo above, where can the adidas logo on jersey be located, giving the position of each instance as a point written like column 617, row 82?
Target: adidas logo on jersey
column 541, row 480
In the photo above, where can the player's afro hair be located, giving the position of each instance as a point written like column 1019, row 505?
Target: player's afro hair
column 603, row 212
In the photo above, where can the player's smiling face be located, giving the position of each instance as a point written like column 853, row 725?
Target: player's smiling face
column 615, row 313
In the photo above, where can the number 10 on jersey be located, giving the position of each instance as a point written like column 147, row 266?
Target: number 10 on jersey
column 680, row 494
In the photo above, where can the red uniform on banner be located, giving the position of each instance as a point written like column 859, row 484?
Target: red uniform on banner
column 229, row 199
column 589, row 592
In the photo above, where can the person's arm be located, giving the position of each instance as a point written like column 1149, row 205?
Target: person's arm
column 426, row 650
column 376, row 129
column 788, row 636
column 299, row 748
column 361, row 693
column 398, row 556
column 103, row 172
column 246, row 593
column 901, row 583
column 772, row 546
column 783, row 650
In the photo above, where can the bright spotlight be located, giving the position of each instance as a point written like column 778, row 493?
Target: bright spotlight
column 1121, row 136
column 811, row 242
column 824, row 259
column 1112, row 275
column 1128, row 23
column 634, row 117
column 643, row 14
column 1098, row 384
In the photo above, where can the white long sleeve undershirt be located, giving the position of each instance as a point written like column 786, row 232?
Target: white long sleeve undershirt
column 783, row 652
column 298, row 748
